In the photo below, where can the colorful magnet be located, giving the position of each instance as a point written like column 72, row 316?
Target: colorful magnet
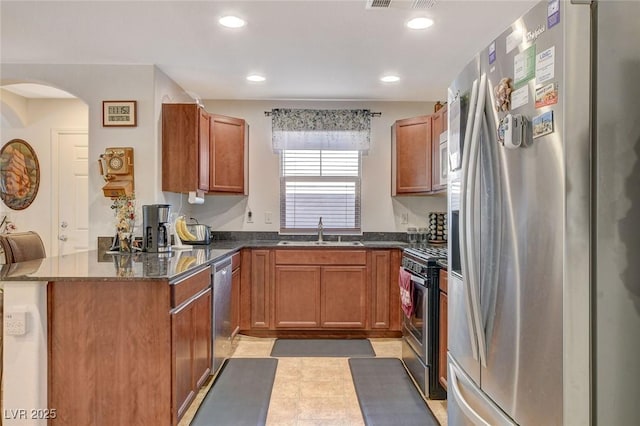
column 543, row 124
column 502, row 93
column 524, row 66
column 492, row 52
column 547, row 95
column 553, row 13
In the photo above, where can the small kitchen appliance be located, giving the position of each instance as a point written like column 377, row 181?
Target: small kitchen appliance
column 155, row 232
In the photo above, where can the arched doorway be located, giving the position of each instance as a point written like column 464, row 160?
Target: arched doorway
column 55, row 123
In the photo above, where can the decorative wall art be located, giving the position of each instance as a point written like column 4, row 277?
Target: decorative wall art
column 19, row 174
column 119, row 114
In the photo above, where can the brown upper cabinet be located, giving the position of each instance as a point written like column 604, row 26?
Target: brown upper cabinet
column 439, row 150
column 416, row 155
column 228, row 155
column 202, row 151
column 411, row 156
column 185, row 148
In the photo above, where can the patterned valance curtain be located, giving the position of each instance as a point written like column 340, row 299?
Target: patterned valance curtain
column 326, row 129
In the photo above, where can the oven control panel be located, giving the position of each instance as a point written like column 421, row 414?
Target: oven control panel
column 415, row 267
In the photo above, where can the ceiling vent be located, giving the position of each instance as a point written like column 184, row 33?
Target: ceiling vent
column 400, row 4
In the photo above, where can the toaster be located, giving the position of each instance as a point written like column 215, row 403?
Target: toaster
column 202, row 233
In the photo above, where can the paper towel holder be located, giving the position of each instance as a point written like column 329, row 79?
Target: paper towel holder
column 196, row 197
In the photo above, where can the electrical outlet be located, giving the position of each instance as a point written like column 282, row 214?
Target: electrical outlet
column 405, row 218
column 268, row 217
column 15, row 323
column 249, row 217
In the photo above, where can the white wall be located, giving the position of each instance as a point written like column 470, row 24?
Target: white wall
column 380, row 211
column 40, row 116
column 150, row 88
column 96, row 83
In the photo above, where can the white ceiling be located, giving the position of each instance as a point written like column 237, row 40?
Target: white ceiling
column 307, row 49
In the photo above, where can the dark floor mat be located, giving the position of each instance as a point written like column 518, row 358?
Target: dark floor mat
column 386, row 394
column 240, row 395
column 322, row 348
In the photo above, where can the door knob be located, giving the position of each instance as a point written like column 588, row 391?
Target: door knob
column 63, row 224
column 62, row 238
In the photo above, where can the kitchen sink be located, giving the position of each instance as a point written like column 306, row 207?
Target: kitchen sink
column 321, row 243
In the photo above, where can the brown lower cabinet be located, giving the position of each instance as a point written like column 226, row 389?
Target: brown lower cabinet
column 191, row 336
column 296, row 296
column 343, row 292
column 334, row 290
column 127, row 352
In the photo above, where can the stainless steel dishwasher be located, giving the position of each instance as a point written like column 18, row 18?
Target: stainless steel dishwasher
column 221, row 314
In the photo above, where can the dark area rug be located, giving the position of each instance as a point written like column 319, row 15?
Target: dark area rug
column 387, row 395
column 240, row 395
column 322, row 348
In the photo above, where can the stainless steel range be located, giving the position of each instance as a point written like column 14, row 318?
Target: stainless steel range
column 420, row 329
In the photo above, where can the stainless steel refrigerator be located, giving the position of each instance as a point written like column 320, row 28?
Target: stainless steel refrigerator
column 544, row 219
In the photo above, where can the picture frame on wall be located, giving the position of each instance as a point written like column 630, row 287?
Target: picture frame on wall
column 119, row 114
column 19, row 174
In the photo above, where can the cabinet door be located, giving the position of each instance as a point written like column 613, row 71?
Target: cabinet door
column 380, row 280
column 204, row 125
column 227, row 155
column 438, row 126
column 202, row 339
column 260, row 295
column 185, row 148
column 343, row 296
column 412, row 155
column 182, row 324
column 297, row 297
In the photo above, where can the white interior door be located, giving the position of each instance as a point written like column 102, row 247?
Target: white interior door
column 71, row 232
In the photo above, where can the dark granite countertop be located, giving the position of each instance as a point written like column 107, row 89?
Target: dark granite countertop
column 97, row 265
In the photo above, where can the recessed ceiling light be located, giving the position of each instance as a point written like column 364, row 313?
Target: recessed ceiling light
column 255, row 77
column 420, row 23
column 389, row 78
column 231, row 21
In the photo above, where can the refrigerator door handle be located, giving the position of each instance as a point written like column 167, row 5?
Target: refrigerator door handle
column 462, row 403
column 470, row 205
column 464, row 262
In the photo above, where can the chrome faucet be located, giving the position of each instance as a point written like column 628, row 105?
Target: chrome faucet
column 320, row 230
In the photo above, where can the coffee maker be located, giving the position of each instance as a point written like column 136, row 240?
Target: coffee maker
column 155, row 232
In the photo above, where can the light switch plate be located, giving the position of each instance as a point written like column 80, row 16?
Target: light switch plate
column 268, row 217
column 405, row 218
column 15, row 323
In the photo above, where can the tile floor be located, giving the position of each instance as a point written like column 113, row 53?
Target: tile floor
column 312, row 391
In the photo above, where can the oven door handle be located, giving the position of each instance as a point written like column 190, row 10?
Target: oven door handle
column 419, row 280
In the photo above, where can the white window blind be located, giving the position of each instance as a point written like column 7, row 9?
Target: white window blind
column 320, row 183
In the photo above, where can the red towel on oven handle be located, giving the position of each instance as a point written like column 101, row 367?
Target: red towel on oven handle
column 406, row 298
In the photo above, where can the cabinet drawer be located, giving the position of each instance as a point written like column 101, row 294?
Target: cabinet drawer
column 443, row 280
column 321, row 257
column 188, row 287
column 235, row 261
